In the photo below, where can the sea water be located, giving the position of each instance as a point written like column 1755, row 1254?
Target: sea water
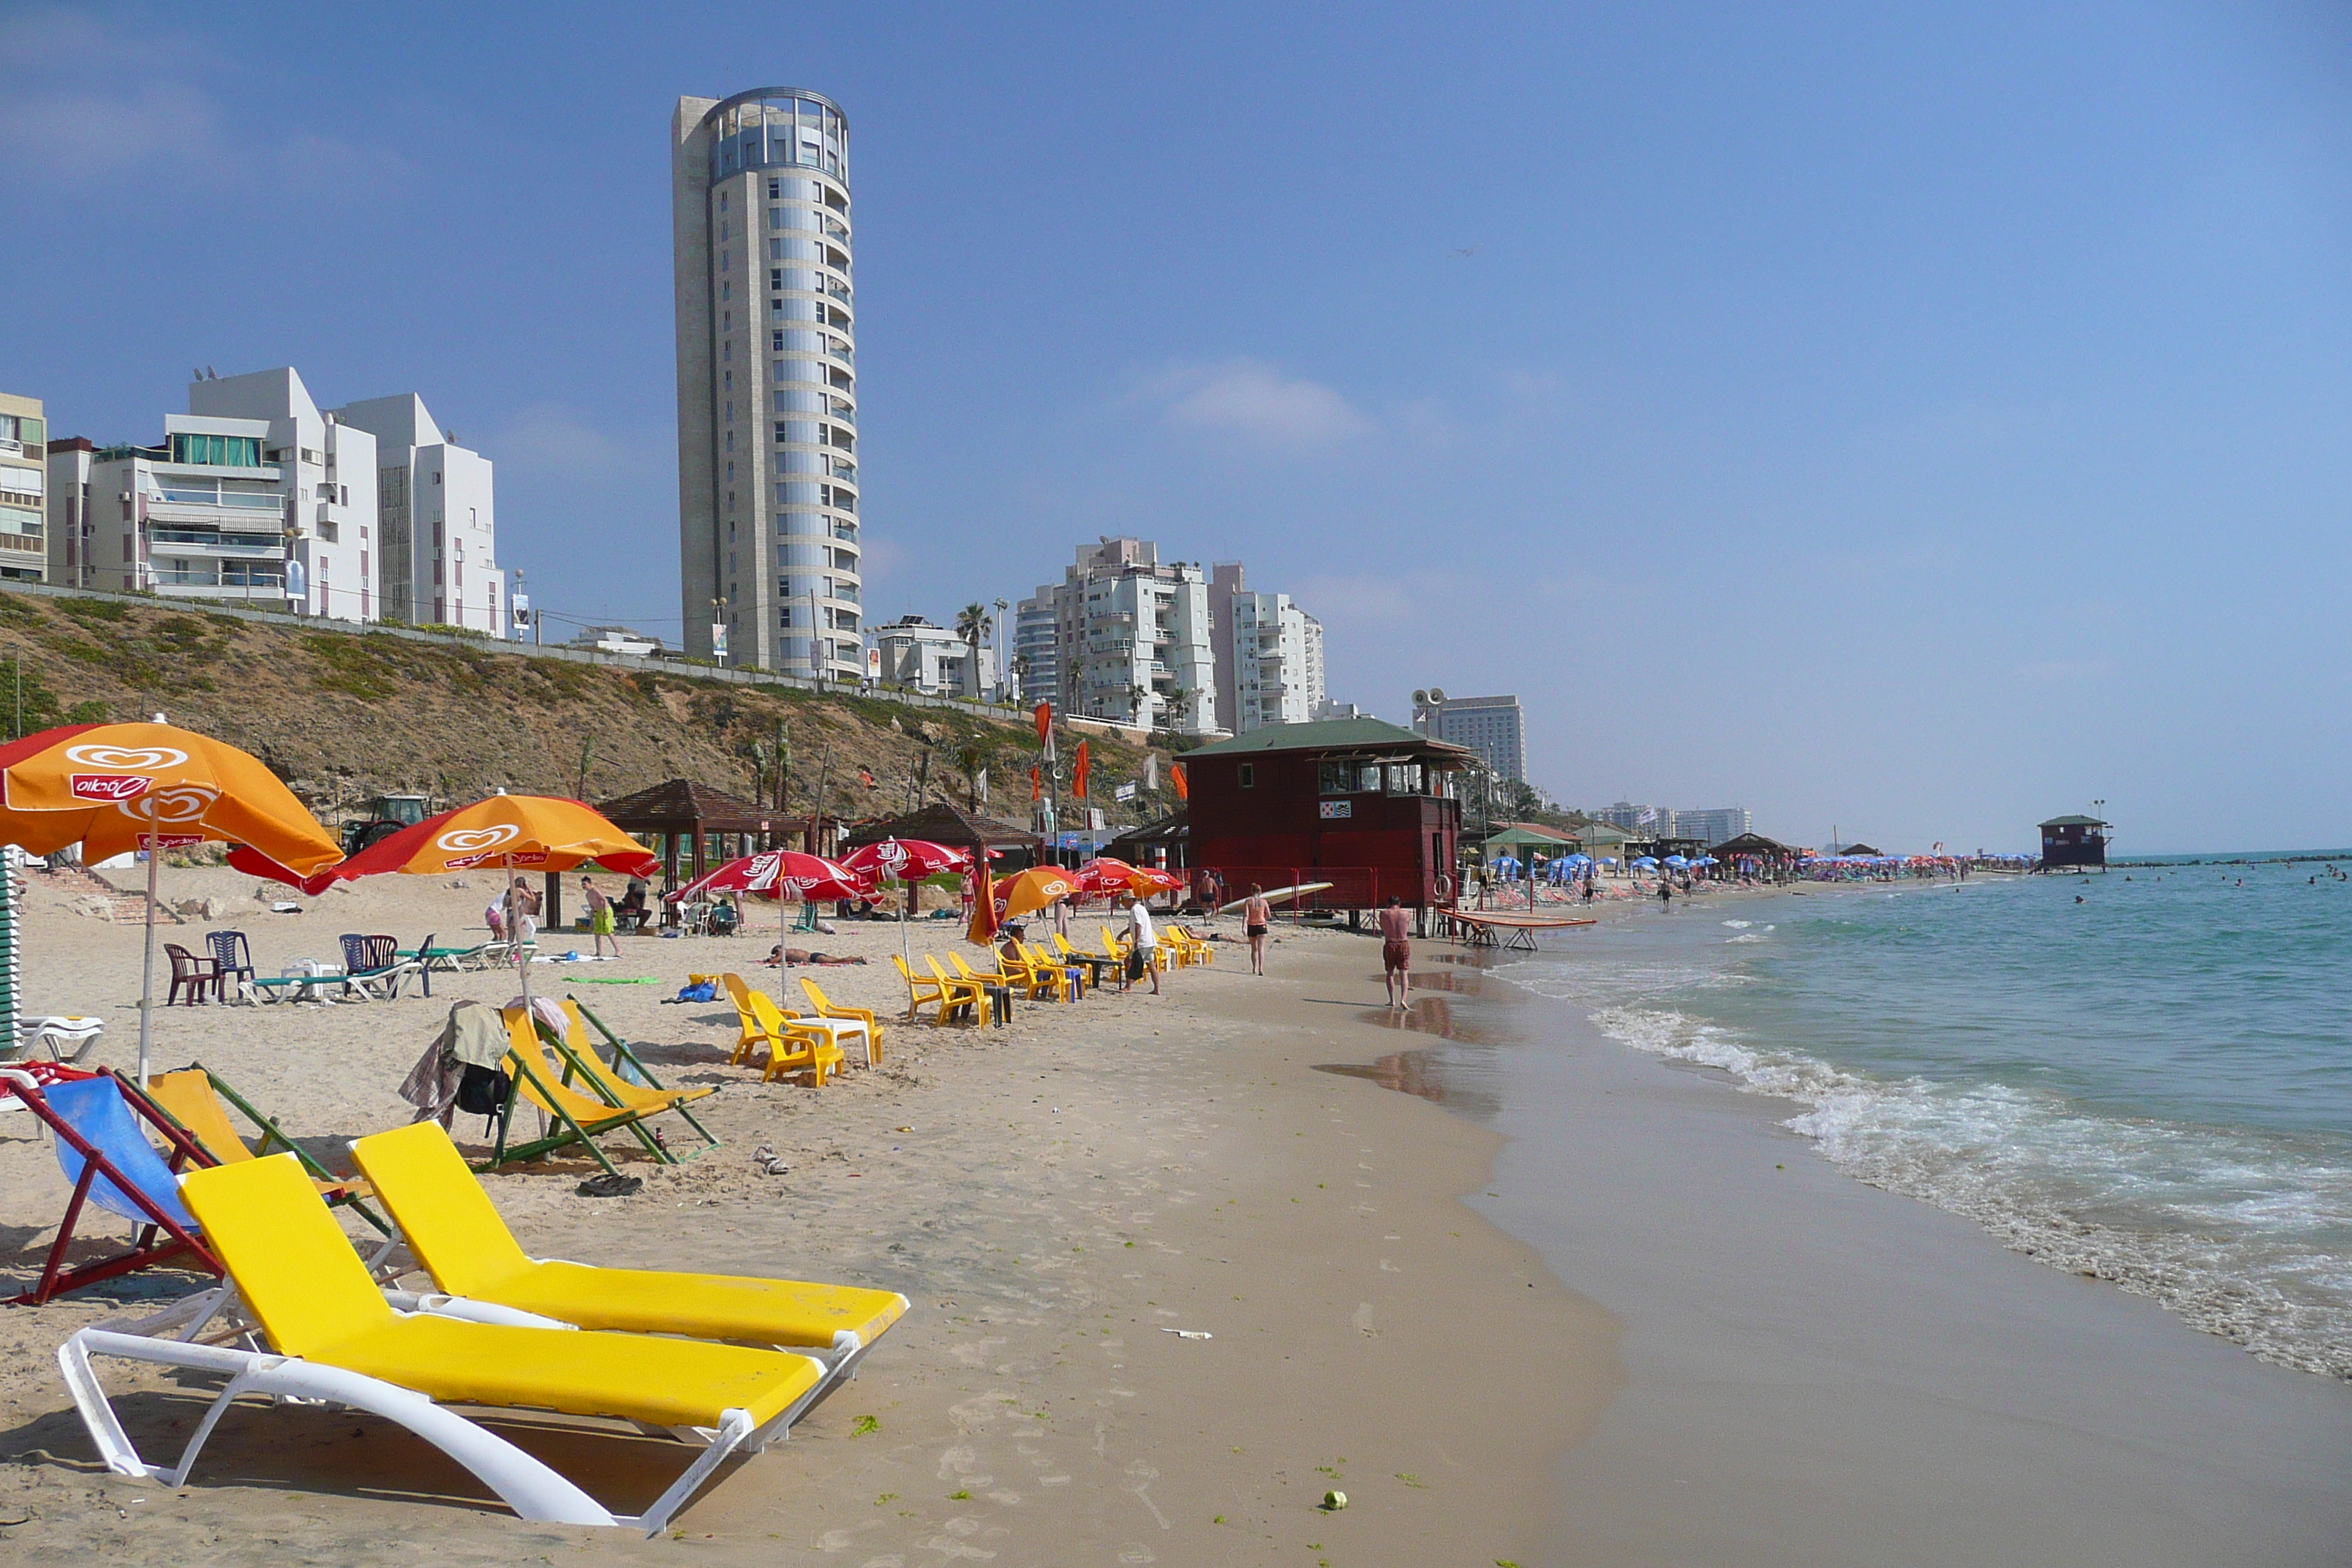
column 2144, row 1075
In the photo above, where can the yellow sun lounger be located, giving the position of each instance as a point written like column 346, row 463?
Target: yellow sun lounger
column 333, row 1337
column 457, row 1235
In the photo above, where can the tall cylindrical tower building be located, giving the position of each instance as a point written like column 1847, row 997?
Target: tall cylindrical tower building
column 767, row 381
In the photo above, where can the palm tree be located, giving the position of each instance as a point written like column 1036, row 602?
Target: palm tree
column 1136, row 694
column 970, row 620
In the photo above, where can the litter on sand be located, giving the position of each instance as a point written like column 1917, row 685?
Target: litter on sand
column 1190, row 1333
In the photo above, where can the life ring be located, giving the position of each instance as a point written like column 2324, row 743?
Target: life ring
column 1444, row 887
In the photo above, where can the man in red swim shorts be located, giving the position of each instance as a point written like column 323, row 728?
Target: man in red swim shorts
column 1396, row 950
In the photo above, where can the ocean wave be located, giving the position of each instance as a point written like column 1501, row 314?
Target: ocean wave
column 2237, row 1233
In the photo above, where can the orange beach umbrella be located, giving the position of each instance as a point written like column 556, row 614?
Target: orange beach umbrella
column 1033, row 890
column 113, row 788
column 507, row 832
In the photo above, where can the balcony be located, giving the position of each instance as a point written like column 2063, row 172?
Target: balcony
column 242, row 546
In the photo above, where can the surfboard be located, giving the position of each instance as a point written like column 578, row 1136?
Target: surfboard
column 1276, row 896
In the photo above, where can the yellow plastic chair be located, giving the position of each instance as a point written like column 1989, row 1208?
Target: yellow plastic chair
column 333, row 1336
column 794, row 1048
column 456, row 1233
column 965, row 993
column 1056, row 974
column 786, row 1033
column 919, row 991
column 826, row 1009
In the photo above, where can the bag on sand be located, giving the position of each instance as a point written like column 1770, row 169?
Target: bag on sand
column 1137, row 964
column 700, row 990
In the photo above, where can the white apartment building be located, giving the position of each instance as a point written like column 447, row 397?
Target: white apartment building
column 256, row 495
column 1714, row 824
column 1650, row 821
column 437, row 563
column 23, row 485
column 1493, row 727
column 252, row 496
column 1132, row 641
column 767, row 381
column 1276, row 661
column 932, row 658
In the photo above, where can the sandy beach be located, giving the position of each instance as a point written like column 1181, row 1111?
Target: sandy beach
column 1050, row 1198
column 1754, row 1358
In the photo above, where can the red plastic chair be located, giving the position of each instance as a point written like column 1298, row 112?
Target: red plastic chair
column 191, row 975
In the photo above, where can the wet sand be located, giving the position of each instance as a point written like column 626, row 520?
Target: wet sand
column 1050, row 1198
column 1823, row 1373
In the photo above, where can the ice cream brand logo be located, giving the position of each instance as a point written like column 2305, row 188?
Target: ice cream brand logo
column 178, row 804
column 106, row 786
column 468, row 840
column 496, row 857
column 126, row 759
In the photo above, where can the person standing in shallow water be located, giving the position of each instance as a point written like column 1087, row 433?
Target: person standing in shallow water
column 1256, row 916
column 1396, row 953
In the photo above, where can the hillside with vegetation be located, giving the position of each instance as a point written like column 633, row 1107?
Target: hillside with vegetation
column 344, row 716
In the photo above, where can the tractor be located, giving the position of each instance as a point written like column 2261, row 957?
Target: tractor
column 386, row 814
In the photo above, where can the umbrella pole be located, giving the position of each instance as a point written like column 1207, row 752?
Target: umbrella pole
column 783, row 938
column 515, row 919
column 147, row 967
column 905, row 897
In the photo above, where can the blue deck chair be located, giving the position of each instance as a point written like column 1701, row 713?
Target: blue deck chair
column 104, row 1152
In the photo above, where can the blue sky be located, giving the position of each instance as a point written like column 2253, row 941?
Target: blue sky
column 1923, row 420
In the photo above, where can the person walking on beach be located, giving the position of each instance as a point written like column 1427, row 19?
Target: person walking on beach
column 1666, row 895
column 1142, row 945
column 1256, row 916
column 600, row 918
column 1396, row 953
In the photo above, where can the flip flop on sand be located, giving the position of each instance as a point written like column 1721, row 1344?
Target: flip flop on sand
column 611, row 1186
column 765, row 1160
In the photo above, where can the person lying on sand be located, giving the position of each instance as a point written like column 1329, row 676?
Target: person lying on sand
column 801, row 956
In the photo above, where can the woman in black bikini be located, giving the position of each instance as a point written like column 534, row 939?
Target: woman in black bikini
column 1256, row 915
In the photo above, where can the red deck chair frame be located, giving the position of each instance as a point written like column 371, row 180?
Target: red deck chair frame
column 147, row 1247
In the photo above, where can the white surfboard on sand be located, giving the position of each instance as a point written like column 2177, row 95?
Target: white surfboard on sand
column 1276, row 896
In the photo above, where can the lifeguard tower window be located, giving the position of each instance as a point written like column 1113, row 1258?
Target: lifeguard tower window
column 1348, row 778
column 1246, row 775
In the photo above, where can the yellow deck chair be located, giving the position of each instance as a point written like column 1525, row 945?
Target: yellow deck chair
column 610, row 1084
column 457, row 1235
column 1003, row 974
column 576, row 1118
column 802, row 1045
column 334, row 1337
column 192, row 1097
column 826, row 1009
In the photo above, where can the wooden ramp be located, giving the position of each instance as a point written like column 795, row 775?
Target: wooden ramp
column 1513, row 932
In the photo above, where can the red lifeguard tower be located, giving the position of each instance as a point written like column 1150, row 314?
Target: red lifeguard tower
column 1367, row 807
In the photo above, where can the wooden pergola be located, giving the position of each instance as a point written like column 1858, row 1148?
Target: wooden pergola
column 1774, row 860
column 698, row 825
column 942, row 821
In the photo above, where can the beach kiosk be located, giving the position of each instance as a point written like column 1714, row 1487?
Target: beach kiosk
column 1368, row 806
column 2073, row 843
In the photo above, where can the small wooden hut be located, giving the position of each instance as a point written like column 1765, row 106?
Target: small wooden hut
column 2073, row 843
column 1753, row 855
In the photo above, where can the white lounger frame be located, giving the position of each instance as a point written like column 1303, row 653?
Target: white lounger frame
column 533, row 1489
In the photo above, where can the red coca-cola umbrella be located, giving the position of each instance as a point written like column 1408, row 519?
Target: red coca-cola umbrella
column 904, row 860
column 785, row 876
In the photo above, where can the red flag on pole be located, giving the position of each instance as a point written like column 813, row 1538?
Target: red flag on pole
column 1036, row 787
column 1176, row 777
column 1046, row 729
column 1079, row 775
